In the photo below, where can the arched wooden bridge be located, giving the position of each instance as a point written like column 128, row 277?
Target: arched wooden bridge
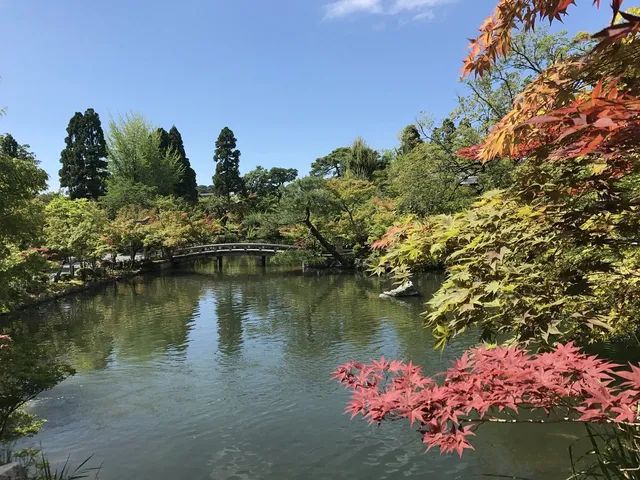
column 219, row 250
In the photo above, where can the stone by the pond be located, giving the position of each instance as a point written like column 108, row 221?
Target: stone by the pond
column 405, row 290
column 12, row 471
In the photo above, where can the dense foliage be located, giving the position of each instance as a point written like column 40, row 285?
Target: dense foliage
column 25, row 371
column 136, row 158
column 73, row 229
column 550, row 257
column 21, row 265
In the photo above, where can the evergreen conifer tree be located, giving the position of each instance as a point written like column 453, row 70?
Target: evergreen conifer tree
column 227, row 179
column 409, row 139
column 186, row 187
column 9, row 146
column 84, row 165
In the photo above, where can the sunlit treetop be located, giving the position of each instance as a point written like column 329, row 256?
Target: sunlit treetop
column 585, row 105
column 494, row 40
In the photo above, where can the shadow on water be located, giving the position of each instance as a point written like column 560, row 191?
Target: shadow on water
column 225, row 375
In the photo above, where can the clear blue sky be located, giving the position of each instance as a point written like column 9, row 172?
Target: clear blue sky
column 293, row 78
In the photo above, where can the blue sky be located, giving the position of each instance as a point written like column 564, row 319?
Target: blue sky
column 293, row 78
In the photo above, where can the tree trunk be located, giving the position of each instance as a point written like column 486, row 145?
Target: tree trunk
column 56, row 278
column 132, row 254
column 323, row 241
column 360, row 237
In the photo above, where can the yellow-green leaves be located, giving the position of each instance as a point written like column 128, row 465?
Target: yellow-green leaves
column 598, row 168
column 534, row 269
column 412, row 245
column 75, row 228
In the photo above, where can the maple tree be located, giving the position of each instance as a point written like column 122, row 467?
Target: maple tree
column 484, row 385
column 73, row 229
column 164, row 227
column 168, row 227
column 493, row 94
column 496, row 32
column 554, row 257
column 21, row 180
column 586, row 105
column 26, row 370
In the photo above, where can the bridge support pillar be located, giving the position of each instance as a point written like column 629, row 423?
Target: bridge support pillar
column 263, row 261
column 219, row 261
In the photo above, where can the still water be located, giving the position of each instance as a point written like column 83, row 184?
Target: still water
column 225, row 375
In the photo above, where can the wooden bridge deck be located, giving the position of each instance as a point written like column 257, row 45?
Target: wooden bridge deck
column 233, row 249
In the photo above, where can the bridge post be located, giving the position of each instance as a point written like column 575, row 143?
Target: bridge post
column 263, row 261
column 219, row 260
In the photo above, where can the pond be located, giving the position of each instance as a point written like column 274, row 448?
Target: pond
column 225, row 375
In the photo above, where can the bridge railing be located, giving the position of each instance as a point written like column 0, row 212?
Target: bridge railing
column 234, row 247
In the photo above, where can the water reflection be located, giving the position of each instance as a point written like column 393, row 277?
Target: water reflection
column 94, row 329
column 225, row 374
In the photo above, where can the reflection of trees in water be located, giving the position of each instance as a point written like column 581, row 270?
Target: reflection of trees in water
column 311, row 319
column 516, row 450
column 138, row 319
column 310, row 313
column 230, row 314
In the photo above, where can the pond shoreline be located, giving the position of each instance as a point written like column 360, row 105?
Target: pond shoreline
column 47, row 297
column 146, row 269
column 72, row 289
column 150, row 268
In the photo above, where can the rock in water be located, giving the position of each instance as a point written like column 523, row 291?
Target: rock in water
column 405, row 290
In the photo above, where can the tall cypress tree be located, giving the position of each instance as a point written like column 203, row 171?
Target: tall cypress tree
column 165, row 143
column 186, row 187
column 227, row 179
column 409, row 139
column 9, row 146
column 72, row 171
column 84, row 165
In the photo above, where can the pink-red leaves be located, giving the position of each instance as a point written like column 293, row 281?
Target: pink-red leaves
column 486, row 384
column 632, row 377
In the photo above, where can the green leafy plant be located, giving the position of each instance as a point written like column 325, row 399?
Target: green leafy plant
column 613, row 454
column 44, row 470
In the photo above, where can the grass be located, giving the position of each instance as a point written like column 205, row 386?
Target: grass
column 44, row 470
